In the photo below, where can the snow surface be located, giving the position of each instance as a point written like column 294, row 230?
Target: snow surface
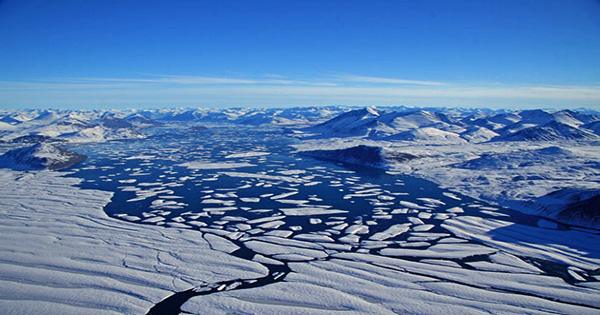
column 61, row 254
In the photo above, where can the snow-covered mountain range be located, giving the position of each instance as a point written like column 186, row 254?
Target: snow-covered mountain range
column 459, row 126
column 391, row 124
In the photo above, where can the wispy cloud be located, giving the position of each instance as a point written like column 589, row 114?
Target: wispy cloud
column 382, row 80
column 209, row 80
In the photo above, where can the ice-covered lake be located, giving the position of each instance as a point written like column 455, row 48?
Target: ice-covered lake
column 274, row 206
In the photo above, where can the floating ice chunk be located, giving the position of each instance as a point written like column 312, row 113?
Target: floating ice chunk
column 442, row 216
column 432, row 201
column 400, row 211
column 153, row 219
column 220, row 209
column 265, row 219
column 130, row 218
column 205, row 165
column 246, row 154
column 250, row 199
column 220, row 244
column 451, row 195
column 413, row 205
column 414, row 220
column 269, row 249
column 357, row 229
column 313, row 238
column 424, row 215
column 127, row 181
column 284, row 195
column 423, row 228
column 272, row 224
column 309, row 211
column 141, row 157
column 264, row 176
column 197, row 223
column 455, row 210
column 350, row 238
column 218, row 201
column 292, row 172
column 292, row 201
column 279, row 233
column 390, row 232
column 178, row 219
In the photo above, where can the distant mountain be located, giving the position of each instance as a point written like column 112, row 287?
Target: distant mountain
column 515, row 159
column 40, row 156
column 593, row 127
column 6, row 126
column 453, row 127
column 498, row 121
column 478, row 134
column 357, row 122
column 100, row 134
column 400, row 123
column 549, row 132
column 427, row 134
column 567, row 117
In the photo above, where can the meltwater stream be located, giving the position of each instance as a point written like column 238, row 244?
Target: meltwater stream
column 247, row 185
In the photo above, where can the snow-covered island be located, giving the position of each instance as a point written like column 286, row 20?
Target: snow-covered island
column 271, row 211
column 40, row 156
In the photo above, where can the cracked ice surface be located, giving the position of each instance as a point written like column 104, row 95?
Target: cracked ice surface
column 66, row 256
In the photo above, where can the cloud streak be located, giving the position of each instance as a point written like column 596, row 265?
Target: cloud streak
column 381, row 80
column 165, row 90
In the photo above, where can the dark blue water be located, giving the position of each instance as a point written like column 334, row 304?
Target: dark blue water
column 162, row 154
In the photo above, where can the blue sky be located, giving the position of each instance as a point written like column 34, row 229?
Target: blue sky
column 85, row 54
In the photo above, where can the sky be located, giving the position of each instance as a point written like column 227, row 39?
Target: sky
column 98, row 54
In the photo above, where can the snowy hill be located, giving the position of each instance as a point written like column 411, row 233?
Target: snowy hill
column 40, row 156
column 593, row 126
column 427, row 134
column 478, row 134
column 549, row 132
column 515, row 159
column 576, row 206
column 6, row 126
column 352, row 123
column 100, row 134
